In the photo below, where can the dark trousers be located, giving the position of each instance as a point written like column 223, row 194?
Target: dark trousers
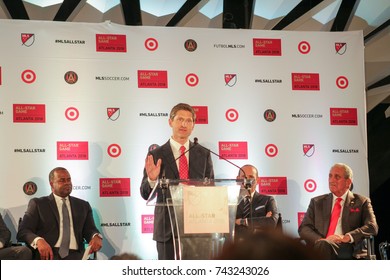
column 15, row 253
column 165, row 250
column 332, row 251
column 73, row 255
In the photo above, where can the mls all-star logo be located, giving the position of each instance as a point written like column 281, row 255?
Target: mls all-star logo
column 308, row 149
column 27, row 39
column 113, row 113
column 340, row 48
column 230, row 79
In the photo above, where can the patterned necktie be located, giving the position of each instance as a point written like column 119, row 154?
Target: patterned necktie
column 183, row 164
column 247, row 207
column 335, row 217
column 64, row 247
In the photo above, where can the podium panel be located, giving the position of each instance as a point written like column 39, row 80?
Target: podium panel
column 203, row 217
column 202, row 214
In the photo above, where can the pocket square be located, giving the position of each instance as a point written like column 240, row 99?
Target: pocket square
column 354, row 210
column 261, row 206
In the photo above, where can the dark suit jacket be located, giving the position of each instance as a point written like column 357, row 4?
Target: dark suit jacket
column 358, row 219
column 200, row 167
column 42, row 219
column 257, row 220
column 5, row 233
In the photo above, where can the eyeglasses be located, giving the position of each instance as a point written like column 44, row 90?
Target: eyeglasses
column 185, row 121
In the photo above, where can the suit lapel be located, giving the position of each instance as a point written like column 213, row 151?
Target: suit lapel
column 194, row 155
column 73, row 210
column 349, row 199
column 327, row 206
column 54, row 208
column 170, row 162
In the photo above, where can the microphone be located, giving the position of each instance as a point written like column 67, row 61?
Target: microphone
column 247, row 182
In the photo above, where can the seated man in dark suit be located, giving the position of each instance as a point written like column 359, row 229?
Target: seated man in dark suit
column 337, row 223
column 56, row 225
column 256, row 212
column 8, row 252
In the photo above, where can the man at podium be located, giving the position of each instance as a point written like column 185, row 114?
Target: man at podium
column 255, row 212
column 178, row 158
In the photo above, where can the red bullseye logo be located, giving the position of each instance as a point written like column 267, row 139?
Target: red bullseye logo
column 231, row 115
column 28, row 76
column 114, row 150
column 151, row 44
column 192, row 79
column 72, row 113
column 310, row 185
column 271, row 150
column 342, row 82
column 304, row 47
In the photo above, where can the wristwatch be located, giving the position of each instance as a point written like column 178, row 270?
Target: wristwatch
column 242, row 222
column 99, row 235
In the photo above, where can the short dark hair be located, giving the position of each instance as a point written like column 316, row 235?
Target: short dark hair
column 51, row 174
column 182, row 106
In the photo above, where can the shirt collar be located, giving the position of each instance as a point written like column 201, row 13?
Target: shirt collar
column 343, row 197
column 176, row 145
column 59, row 198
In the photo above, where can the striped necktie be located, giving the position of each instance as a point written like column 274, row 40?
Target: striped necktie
column 247, row 207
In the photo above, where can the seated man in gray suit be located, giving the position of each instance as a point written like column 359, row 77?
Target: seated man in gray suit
column 56, row 225
column 337, row 223
column 8, row 252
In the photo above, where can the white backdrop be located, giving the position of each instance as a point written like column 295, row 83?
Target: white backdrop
column 58, row 81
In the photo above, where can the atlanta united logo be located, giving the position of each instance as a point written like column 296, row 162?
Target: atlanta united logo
column 71, row 77
column 30, row 188
column 190, row 45
column 269, row 115
column 308, row 149
column 230, row 79
column 153, row 147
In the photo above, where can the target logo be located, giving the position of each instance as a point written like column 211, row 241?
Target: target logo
column 231, row 115
column 310, row 185
column 114, row 150
column 72, row 113
column 304, row 47
column 342, row 82
column 192, row 79
column 151, row 44
column 28, row 76
column 271, row 150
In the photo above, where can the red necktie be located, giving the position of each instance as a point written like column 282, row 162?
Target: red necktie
column 183, row 164
column 335, row 217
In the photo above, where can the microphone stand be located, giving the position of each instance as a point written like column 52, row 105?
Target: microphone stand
column 164, row 186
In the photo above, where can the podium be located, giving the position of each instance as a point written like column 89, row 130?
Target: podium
column 202, row 214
